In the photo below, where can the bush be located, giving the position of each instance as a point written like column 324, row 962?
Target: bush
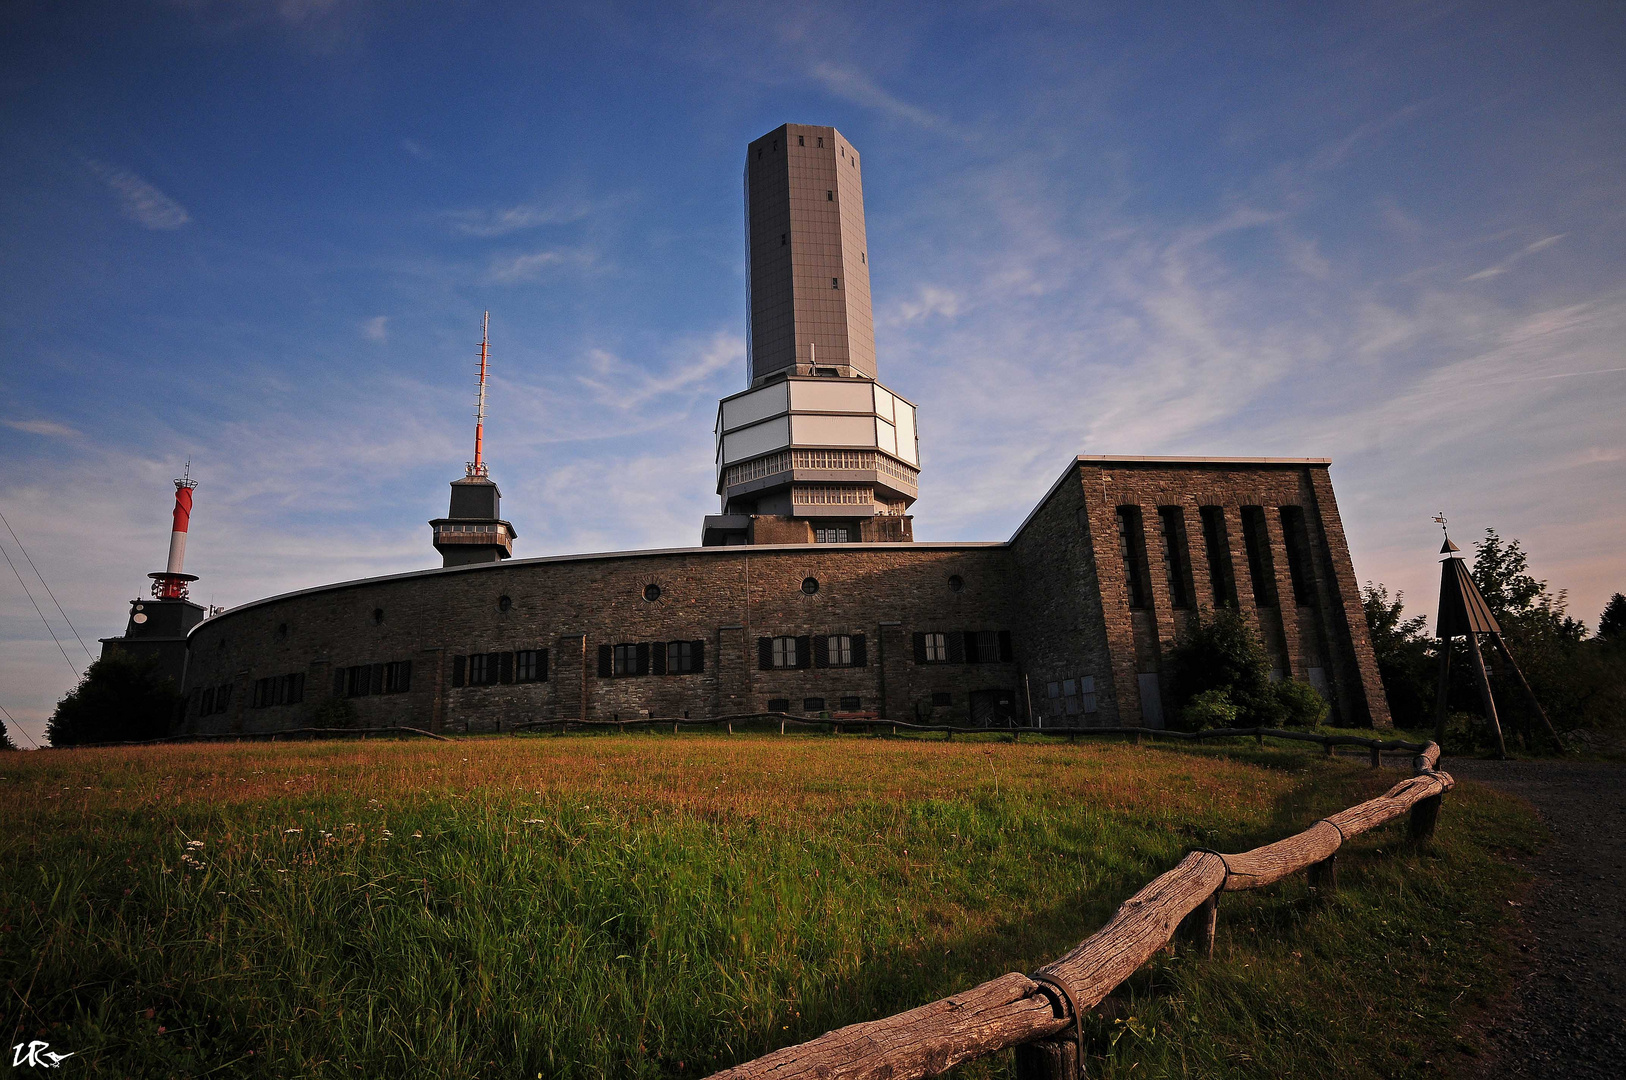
column 1224, row 654
column 121, row 698
column 335, row 712
column 1208, row 710
column 1302, row 705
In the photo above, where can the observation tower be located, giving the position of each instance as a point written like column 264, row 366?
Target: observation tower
column 473, row 530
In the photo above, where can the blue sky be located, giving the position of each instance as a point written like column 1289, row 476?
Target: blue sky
column 261, row 234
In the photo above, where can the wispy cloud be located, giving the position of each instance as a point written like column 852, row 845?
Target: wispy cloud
column 41, row 427
column 140, row 201
column 376, row 328
column 856, row 87
column 1499, row 268
column 415, row 148
column 509, row 269
column 928, row 300
column 501, row 222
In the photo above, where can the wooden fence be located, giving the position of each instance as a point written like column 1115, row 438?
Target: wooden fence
column 1041, row 1015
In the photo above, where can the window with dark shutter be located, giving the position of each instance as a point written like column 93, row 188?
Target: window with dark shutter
column 804, row 652
column 920, row 648
column 378, row 678
column 699, row 656
column 657, row 658
column 542, row 665
column 338, row 681
column 505, row 668
column 821, row 651
column 641, row 659
column 956, row 648
column 1006, row 654
column 459, row 664
column 223, row 698
column 860, row 653
column 968, row 647
column 765, row 653
column 606, row 657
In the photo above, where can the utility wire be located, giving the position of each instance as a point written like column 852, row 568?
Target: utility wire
column 18, row 726
column 36, row 604
column 47, row 585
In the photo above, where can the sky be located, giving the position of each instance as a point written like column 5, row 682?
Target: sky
column 260, row 235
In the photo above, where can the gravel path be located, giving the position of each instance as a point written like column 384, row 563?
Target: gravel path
column 1569, row 1010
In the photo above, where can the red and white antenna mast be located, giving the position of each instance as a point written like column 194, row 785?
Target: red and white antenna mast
column 171, row 584
column 477, row 467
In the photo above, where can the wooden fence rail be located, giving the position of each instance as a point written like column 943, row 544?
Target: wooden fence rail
column 1035, row 1013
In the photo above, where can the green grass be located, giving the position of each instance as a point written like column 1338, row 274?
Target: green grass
column 650, row 905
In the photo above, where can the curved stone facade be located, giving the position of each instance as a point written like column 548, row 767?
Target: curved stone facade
column 1077, row 598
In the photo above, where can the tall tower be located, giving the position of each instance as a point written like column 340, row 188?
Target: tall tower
column 815, row 450
column 473, row 530
column 158, row 624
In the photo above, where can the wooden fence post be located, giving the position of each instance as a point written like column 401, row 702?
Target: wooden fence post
column 1423, row 816
column 1324, row 876
column 1049, row 1059
column 1200, row 926
column 1377, row 757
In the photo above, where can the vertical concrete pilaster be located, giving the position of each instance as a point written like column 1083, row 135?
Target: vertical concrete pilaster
column 1355, row 662
column 1286, row 601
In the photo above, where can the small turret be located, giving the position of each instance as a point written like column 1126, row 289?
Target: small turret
column 158, row 626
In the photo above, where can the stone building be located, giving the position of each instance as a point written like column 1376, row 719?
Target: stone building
column 808, row 594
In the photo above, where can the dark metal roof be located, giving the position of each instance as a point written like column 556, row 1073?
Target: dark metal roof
column 1462, row 606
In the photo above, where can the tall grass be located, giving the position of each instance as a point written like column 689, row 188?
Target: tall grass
column 647, row 905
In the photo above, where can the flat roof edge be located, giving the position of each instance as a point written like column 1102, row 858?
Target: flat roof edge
column 716, row 550
column 1151, row 459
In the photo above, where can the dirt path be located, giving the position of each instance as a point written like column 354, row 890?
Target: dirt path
column 1569, row 1010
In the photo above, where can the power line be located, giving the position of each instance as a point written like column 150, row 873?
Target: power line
column 36, row 604
column 18, row 726
column 47, row 585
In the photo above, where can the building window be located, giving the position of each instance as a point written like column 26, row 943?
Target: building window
column 784, row 239
column 1260, row 565
column 1071, row 697
column 531, row 665
column 840, row 647
column 863, row 257
column 1217, row 546
column 358, row 681
column 779, row 704
column 801, row 140
column 936, row 648
column 835, row 283
column 829, row 196
column 784, row 652
column 987, row 645
column 680, row 657
column 504, row 603
column 1176, row 559
column 821, row 142
column 625, row 660
column 851, row 704
column 831, row 534
column 956, row 583
column 652, row 592
column 1132, row 549
column 264, row 692
column 810, row 585
column 812, row 704
column 941, row 698
column 378, row 616
column 398, row 677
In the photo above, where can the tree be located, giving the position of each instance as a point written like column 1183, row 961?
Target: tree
column 1219, row 675
column 5, row 739
column 1405, row 653
column 121, row 698
column 1520, row 603
column 1612, row 626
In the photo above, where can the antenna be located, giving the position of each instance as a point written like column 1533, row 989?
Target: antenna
column 477, row 467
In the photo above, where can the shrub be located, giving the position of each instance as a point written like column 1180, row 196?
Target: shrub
column 1210, row 709
column 1302, row 705
column 121, row 698
column 336, row 712
column 1224, row 654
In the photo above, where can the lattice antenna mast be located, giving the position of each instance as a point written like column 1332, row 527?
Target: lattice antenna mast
column 477, row 467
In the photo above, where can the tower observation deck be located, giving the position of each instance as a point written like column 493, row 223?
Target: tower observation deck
column 815, row 449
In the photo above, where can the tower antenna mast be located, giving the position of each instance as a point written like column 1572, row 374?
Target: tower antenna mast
column 477, row 467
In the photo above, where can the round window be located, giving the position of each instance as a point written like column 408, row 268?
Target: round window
column 504, row 603
column 138, row 618
column 652, row 592
column 282, row 630
column 810, row 585
column 956, row 583
column 378, row 615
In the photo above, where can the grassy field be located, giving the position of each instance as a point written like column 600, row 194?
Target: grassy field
column 650, row 905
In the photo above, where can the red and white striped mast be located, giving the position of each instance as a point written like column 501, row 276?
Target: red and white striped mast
column 477, row 467
column 171, row 584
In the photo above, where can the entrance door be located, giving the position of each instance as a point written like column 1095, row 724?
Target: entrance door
column 1151, row 701
column 991, row 708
